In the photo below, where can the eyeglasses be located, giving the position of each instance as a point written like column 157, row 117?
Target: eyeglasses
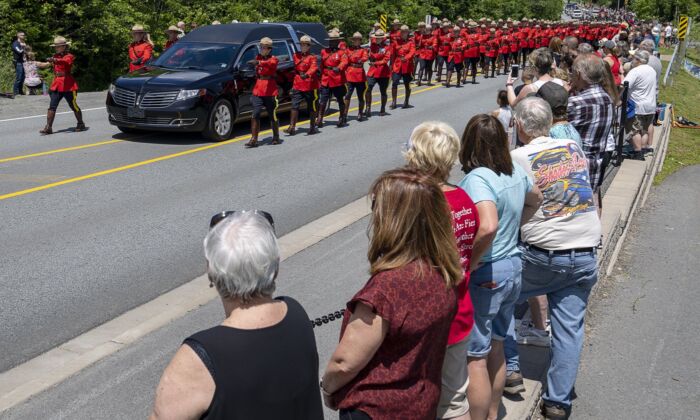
column 218, row 217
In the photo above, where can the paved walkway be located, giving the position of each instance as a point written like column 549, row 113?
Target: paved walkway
column 641, row 359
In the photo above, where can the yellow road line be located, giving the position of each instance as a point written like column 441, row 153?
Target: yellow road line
column 158, row 159
column 65, row 149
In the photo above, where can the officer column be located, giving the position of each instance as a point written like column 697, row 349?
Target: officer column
column 264, row 92
column 305, row 87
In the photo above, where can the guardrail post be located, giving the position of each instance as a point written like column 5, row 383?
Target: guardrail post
column 623, row 121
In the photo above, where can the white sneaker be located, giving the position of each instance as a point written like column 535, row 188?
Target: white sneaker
column 531, row 336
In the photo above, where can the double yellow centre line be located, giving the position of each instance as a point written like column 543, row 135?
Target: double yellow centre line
column 144, row 162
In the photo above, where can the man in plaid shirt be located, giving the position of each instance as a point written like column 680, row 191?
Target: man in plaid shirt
column 590, row 111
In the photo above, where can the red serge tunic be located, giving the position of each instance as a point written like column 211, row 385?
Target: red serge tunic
column 308, row 65
column 457, row 49
column 473, row 41
column 402, row 56
column 379, row 56
column 357, row 56
column 444, row 42
column 403, row 379
column 139, row 50
column 266, row 70
column 465, row 222
column 330, row 59
column 428, row 47
column 63, row 80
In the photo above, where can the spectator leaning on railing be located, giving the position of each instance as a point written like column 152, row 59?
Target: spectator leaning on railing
column 261, row 361
column 558, row 243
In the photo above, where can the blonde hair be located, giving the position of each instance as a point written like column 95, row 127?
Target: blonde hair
column 433, row 149
column 560, row 73
column 412, row 222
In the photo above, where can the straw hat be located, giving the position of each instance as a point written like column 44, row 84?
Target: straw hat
column 357, row 35
column 305, row 39
column 266, row 42
column 333, row 34
column 378, row 34
column 58, row 41
column 172, row 28
column 138, row 28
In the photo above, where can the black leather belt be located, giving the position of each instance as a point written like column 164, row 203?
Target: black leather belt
column 357, row 65
column 264, row 77
column 561, row 251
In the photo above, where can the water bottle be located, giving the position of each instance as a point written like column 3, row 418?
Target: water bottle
column 43, row 88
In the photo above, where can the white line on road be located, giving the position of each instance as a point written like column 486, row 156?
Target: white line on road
column 58, row 364
column 58, row 113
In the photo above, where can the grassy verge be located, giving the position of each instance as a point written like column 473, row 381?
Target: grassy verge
column 684, row 143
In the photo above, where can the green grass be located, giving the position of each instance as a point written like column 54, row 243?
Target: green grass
column 684, row 143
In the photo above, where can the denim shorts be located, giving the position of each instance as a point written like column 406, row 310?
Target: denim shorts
column 494, row 288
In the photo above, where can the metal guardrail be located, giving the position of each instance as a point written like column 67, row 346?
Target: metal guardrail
column 678, row 55
column 673, row 58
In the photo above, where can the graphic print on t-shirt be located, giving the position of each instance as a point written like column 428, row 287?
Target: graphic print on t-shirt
column 464, row 226
column 561, row 173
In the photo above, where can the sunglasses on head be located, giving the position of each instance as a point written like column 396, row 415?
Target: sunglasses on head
column 218, row 217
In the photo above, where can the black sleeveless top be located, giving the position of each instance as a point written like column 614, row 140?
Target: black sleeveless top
column 268, row 373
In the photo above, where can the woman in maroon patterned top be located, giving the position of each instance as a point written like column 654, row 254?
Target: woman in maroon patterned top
column 392, row 342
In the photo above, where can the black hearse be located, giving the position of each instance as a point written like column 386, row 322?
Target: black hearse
column 204, row 82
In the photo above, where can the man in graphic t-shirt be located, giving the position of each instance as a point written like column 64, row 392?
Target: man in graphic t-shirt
column 558, row 243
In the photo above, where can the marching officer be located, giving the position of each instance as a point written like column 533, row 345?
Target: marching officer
column 63, row 85
column 504, row 49
column 305, row 87
column 444, row 42
column 427, row 51
column 456, row 57
column 418, row 35
column 264, row 93
column 492, row 46
column 403, row 51
column 141, row 49
column 378, row 72
column 355, row 75
column 172, row 34
column 395, row 32
column 333, row 64
column 471, row 55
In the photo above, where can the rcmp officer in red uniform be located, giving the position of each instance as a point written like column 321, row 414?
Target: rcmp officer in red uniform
column 444, row 42
column 333, row 64
column 427, row 50
column 471, row 55
column 355, row 75
column 456, row 57
column 305, row 86
column 264, row 93
column 63, row 86
column 395, row 32
column 172, row 34
column 379, row 71
column 403, row 51
column 141, row 49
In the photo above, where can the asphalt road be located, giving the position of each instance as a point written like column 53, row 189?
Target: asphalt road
column 111, row 237
column 641, row 359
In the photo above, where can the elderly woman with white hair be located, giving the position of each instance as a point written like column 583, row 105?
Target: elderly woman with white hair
column 558, row 244
column 434, row 149
column 261, row 361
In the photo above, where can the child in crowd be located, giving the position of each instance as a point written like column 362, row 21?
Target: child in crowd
column 504, row 113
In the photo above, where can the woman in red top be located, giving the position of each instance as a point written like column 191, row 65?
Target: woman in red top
column 378, row 72
column 611, row 58
column 392, row 345
column 433, row 149
column 264, row 93
column 141, row 50
column 355, row 75
column 63, row 86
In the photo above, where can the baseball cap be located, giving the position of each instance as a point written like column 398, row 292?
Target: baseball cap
column 556, row 96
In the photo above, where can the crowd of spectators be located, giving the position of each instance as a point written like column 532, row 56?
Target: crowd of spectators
column 432, row 334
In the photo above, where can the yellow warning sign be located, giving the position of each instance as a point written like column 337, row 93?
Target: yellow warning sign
column 382, row 22
column 682, row 27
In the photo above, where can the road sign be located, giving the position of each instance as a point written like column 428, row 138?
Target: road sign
column 382, row 22
column 682, row 27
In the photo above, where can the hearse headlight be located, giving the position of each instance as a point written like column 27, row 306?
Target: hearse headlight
column 191, row 93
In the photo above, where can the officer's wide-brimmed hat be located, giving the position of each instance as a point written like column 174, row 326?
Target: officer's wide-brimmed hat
column 405, row 28
column 58, row 41
column 421, row 24
column 305, row 39
column 265, row 42
column 472, row 24
column 446, row 24
column 456, row 28
column 172, row 28
column 378, row 34
column 357, row 35
column 396, row 22
column 138, row 29
column 333, row 34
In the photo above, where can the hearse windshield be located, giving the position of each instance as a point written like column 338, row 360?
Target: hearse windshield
column 198, row 56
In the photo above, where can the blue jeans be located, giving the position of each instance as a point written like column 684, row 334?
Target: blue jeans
column 510, row 349
column 19, row 78
column 494, row 288
column 567, row 281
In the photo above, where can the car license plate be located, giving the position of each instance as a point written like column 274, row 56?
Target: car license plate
column 135, row 112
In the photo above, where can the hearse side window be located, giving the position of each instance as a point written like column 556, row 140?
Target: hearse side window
column 281, row 51
column 248, row 56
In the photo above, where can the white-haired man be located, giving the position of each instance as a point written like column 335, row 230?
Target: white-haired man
column 642, row 81
column 261, row 361
column 558, row 243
